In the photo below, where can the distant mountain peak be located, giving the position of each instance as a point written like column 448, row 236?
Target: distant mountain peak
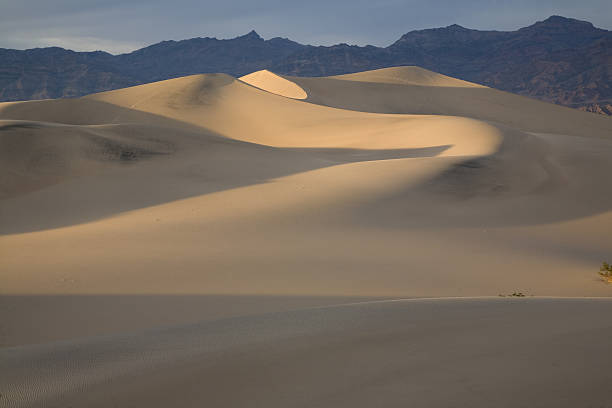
column 563, row 20
column 252, row 35
column 561, row 24
column 456, row 27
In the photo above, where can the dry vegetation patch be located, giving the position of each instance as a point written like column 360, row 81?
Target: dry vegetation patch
column 606, row 272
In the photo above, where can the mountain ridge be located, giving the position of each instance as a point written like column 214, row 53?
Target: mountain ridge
column 559, row 60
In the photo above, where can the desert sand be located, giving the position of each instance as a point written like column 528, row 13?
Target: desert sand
column 426, row 352
column 207, row 199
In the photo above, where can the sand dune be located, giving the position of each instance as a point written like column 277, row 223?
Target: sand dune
column 226, row 169
column 233, row 197
column 197, row 117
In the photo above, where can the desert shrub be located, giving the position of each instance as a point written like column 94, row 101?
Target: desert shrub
column 606, row 272
column 514, row 294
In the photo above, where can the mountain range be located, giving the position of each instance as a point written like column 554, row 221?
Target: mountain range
column 559, row 60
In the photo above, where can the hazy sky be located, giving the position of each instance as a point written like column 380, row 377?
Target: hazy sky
column 120, row 26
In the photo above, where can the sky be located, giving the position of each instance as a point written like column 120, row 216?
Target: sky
column 119, row 26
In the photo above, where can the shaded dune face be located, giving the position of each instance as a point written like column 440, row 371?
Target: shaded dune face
column 31, row 157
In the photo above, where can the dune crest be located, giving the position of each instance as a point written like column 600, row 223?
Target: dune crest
column 408, row 75
column 273, row 83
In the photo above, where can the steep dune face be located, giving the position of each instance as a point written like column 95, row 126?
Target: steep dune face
column 275, row 84
column 208, row 185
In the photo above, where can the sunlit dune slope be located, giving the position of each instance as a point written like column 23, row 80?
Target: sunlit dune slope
column 269, row 81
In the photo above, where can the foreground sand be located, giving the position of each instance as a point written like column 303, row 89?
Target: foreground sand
column 433, row 353
column 207, row 197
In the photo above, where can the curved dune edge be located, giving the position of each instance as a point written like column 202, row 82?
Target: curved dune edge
column 245, row 113
column 408, row 75
column 270, row 82
column 507, row 349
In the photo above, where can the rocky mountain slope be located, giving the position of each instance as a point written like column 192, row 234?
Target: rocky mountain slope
column 558, row 60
